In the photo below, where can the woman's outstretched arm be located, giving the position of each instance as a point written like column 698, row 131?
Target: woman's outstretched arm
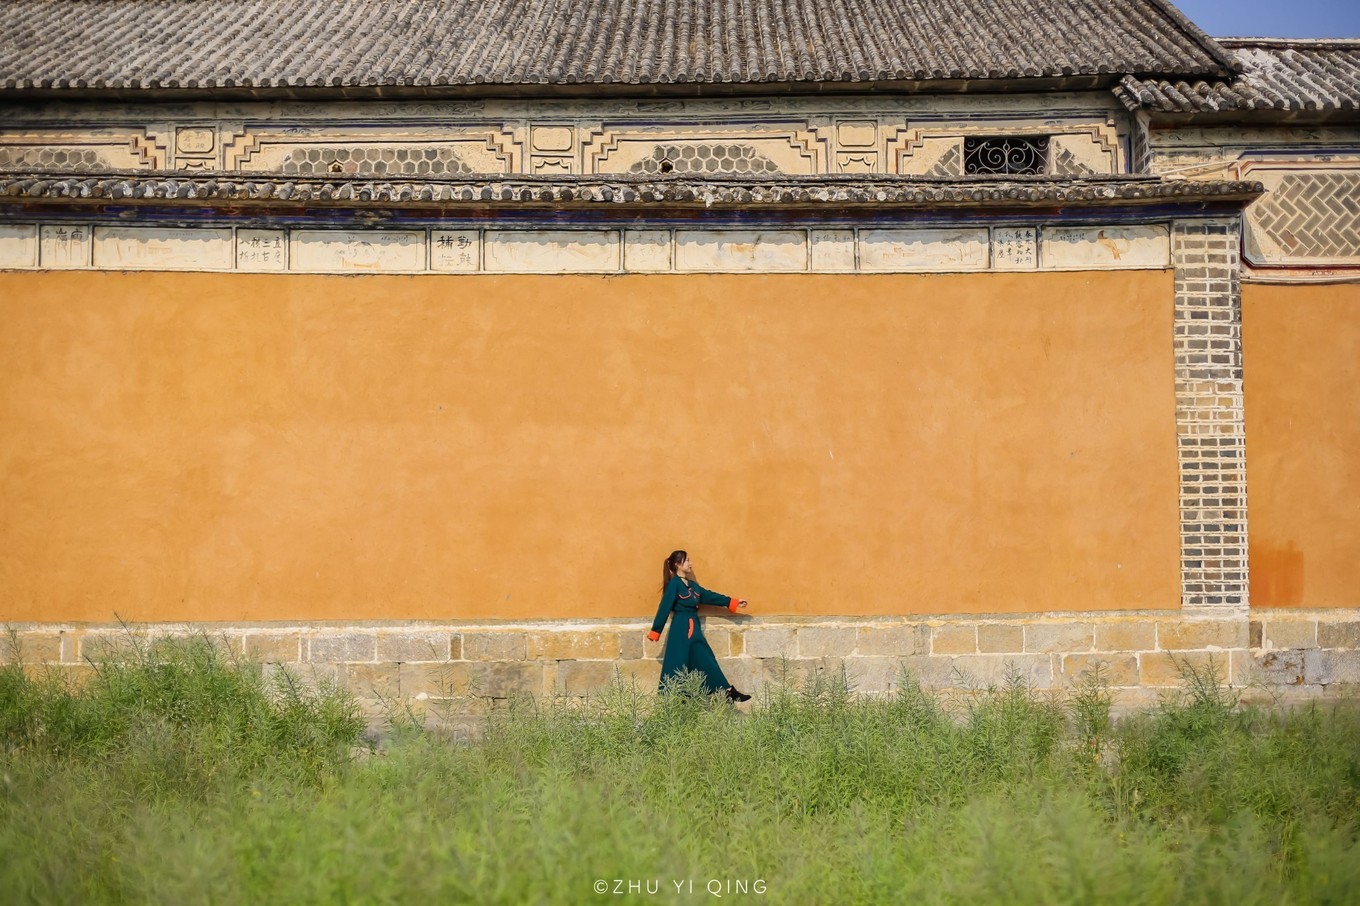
column 717, row 600
column 663, row 611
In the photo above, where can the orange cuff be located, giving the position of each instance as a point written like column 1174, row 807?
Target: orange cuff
column 732, row 604
column 653, row 635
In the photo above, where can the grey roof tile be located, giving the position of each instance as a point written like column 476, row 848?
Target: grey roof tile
column 1279, row 79
column 133, row 45
column 785, row 192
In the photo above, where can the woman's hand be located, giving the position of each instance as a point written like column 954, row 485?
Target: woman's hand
column 741, row 603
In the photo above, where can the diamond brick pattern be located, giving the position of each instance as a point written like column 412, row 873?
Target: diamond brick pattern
column 1312, row 215
column 950, row 164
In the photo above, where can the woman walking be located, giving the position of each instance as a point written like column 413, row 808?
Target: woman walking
column 686, row 646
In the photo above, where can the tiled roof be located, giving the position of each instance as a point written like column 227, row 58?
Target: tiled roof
column 358, row 46
column 807, row 191
column 1279, row 79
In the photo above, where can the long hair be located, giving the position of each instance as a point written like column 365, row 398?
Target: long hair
column 671, row 567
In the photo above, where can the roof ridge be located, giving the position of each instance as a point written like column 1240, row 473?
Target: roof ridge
column 1336, row 43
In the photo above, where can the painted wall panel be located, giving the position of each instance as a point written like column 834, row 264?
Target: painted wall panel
column 259, row 447
column 1301, row 367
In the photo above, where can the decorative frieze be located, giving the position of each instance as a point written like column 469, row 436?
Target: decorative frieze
column 584, row 251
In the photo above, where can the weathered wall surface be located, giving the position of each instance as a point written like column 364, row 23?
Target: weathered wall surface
column 1301, row 346
column 209, row 447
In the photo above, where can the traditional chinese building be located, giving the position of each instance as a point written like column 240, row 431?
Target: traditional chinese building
column 403, row 340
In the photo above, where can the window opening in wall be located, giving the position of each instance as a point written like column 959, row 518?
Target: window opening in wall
column 1005, row 156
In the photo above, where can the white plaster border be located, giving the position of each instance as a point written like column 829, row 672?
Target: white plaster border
column 507, row 250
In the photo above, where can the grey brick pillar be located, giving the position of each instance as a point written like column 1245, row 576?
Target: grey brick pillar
column 1210, row 429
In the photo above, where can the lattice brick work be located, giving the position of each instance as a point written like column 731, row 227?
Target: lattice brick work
column 1211, row 434
column 50, row 158
column 705, row 158
column 377, row 161
column 1312, row 215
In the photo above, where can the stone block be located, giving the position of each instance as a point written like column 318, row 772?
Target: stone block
column 410, row 647
column 370, row 680
column 1202, row 634
column 1119, row 669
column 992, row 669
column 873, row 674
column 70, row 647
column 433, row 680
column 826, row 641
column 631, row 644
column 646, row 672
column 736, row 642
column 1290, row 634
column 953, row 639
column 496, row 645
column 720, row 640
column 901, row 640
column 929, row 671
column 342, row 648
column 573, row 645
column 580, row 677
column 1338, row 635
column 652, row 649
column 274, row 647
column 1126, row 636
column 771, row 642
column 31, row 648
column 1055, row 637
column 503, row 679
column 786, row 672
column 1328, row 667
column 1000, row 638
column 109, row 646
column 1162, row 668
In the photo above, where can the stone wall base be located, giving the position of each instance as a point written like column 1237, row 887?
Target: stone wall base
column 1268, row 656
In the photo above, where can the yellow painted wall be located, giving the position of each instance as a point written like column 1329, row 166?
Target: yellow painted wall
column 233, row 447
column 1301, row 369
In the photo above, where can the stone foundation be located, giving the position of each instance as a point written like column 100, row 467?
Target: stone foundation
column 1279, row 656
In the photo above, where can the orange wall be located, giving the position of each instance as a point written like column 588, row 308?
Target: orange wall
column 233, row 447
column 1301, row 368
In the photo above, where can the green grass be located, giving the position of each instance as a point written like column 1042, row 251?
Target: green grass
column 178, row 775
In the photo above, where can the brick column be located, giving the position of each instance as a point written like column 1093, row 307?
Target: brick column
column 1210, row 430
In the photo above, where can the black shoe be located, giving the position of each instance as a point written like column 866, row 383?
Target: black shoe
column 736, row 696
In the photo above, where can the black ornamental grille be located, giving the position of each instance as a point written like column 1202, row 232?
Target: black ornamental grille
column 1008, row 156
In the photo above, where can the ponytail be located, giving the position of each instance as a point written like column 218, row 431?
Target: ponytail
column 671, row 567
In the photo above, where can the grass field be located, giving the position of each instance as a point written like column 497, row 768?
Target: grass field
column 178, row 775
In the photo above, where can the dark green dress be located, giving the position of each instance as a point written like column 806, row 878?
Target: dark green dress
column 685, row 643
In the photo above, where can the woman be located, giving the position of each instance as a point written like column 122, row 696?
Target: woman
column 686, row 645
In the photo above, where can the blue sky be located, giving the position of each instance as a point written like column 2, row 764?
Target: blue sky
column 1275, row 18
